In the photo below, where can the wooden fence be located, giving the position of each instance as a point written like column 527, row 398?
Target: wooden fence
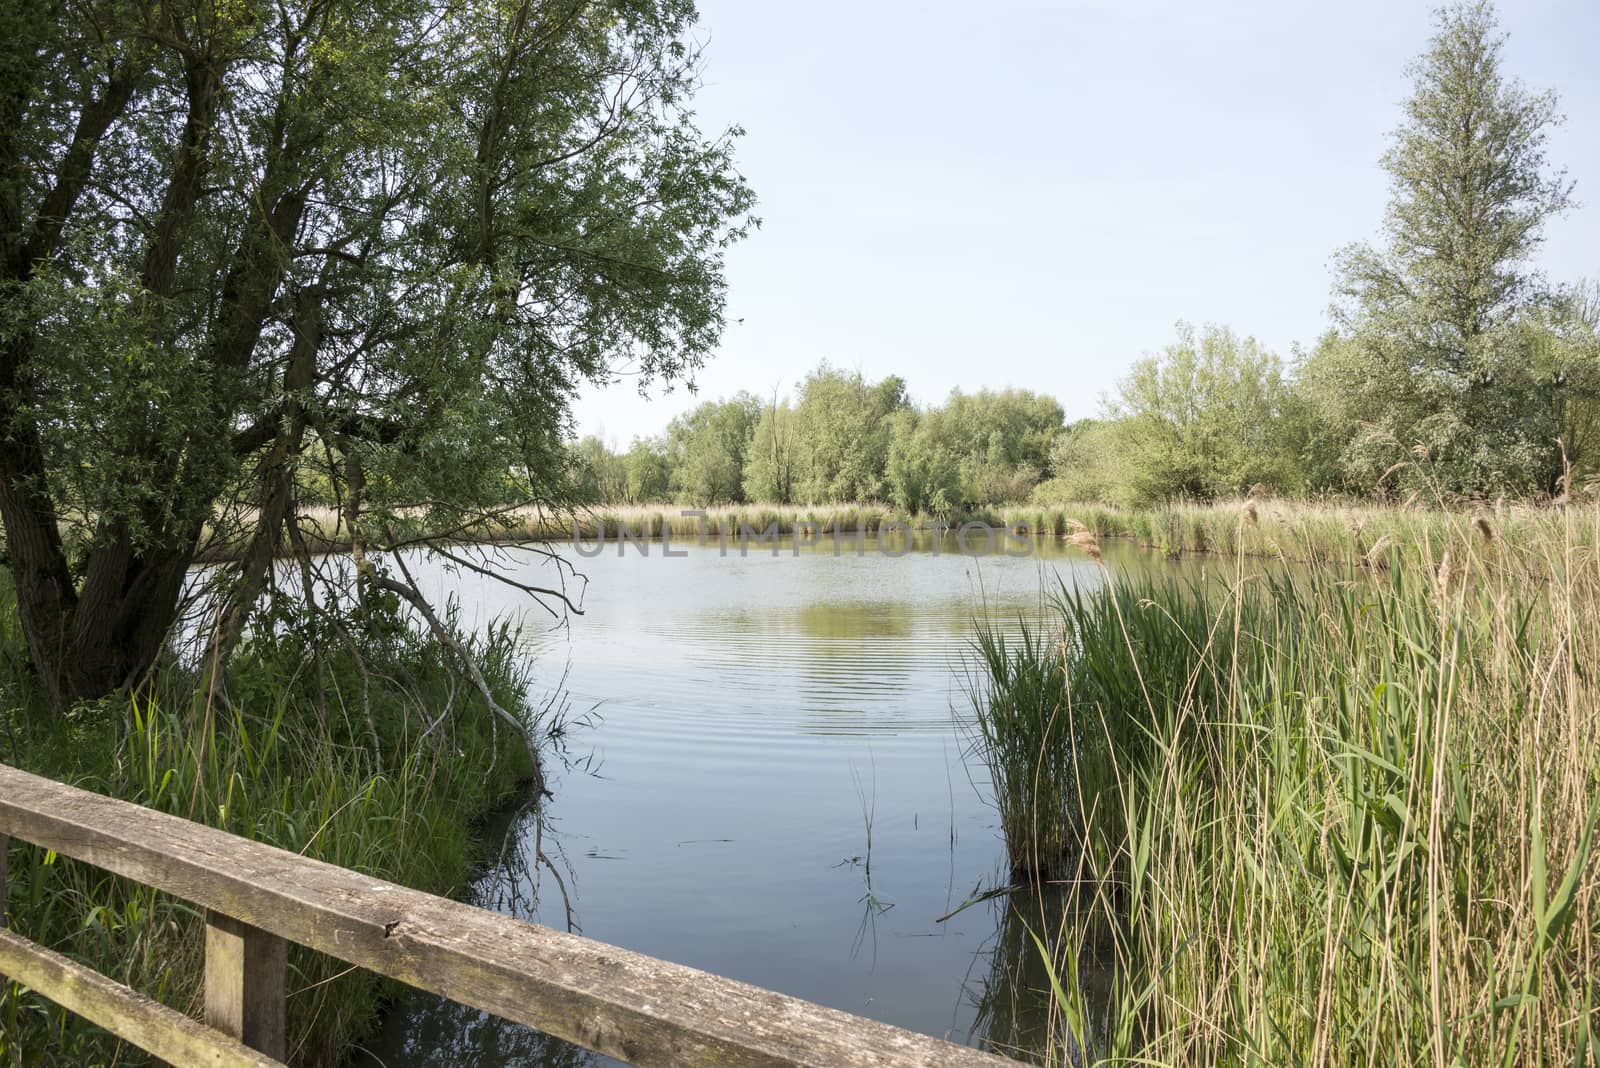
column 258, row 898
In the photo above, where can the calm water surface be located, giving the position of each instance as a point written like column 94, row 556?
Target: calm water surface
column 762, row 729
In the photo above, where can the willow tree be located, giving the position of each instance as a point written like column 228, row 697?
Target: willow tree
column 1211, row 415
column 706, row 449
column 1433, row 350
column 842, row 433
column 252, row 251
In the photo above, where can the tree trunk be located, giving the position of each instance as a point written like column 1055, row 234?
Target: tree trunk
column 86, row 644
column 45, row 594
column 46, row 598
column 277, row 480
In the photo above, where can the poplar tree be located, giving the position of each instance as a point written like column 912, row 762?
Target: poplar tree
column 1431, row 352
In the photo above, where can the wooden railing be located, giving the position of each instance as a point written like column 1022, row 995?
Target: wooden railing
column 259, row 898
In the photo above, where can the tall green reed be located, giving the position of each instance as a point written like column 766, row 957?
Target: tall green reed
column 363, row 751
column 1342, row 814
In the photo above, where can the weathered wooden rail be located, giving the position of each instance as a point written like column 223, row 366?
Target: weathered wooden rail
column 259, row 898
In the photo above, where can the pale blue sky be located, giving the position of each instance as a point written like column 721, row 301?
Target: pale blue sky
column 1032, row 194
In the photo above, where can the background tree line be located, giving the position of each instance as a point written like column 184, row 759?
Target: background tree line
column 1445, row 346
column 1211, row 415
column 839, row 438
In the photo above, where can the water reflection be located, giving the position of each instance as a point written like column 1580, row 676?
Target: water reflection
column 781, row 797
column 432, row 1031
column 1009, row 987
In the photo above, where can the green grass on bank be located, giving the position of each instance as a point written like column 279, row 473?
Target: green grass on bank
column 1298, row 530
column 356, row 748
column 1304, row 531
column 1332, row 815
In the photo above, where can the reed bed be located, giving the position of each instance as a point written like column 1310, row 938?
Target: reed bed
column 687, row 523
column 1330, row 531
column 1332, row 815
column 361, row 750
column 324, row 529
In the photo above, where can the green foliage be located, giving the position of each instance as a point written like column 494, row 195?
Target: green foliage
column 1088, row 463
column 1208, row 417
column 1433, row 353
column 1566, row 346
column 1316, row 810
column 923, row 472
column 356, row 746
column 598, row 474
column 376, row 246
column 843, row 435
column 1002, row 439
column 846, row 440
column 707, row 447
column 646, row 470
column 769, row 470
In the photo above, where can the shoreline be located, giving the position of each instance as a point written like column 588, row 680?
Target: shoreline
column 1251, row 528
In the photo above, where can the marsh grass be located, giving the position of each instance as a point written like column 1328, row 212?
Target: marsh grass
column 1323, row 531
column 1003, row 990
column 1334, row 814
column 1022, row 739
column 1326, row 531
column 379, row 765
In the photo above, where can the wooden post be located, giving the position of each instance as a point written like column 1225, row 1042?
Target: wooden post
column 637, row 1009
column 244, row 983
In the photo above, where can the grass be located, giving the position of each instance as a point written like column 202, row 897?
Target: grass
column 724, row 521
column 1022, row 736
column 360, row 749
column 1322, row 531
column 1342, row 814
column 1330, row 531
column 324, row 528
column 1326, row 532
column 1335, row 814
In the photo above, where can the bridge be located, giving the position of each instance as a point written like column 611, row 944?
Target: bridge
column 258, row 898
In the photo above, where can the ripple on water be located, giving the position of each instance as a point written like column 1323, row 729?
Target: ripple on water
column 767, row 726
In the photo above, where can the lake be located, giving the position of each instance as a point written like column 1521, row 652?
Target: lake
column 767, row 779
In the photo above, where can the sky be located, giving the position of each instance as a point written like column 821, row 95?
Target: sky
column 1033, row 194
